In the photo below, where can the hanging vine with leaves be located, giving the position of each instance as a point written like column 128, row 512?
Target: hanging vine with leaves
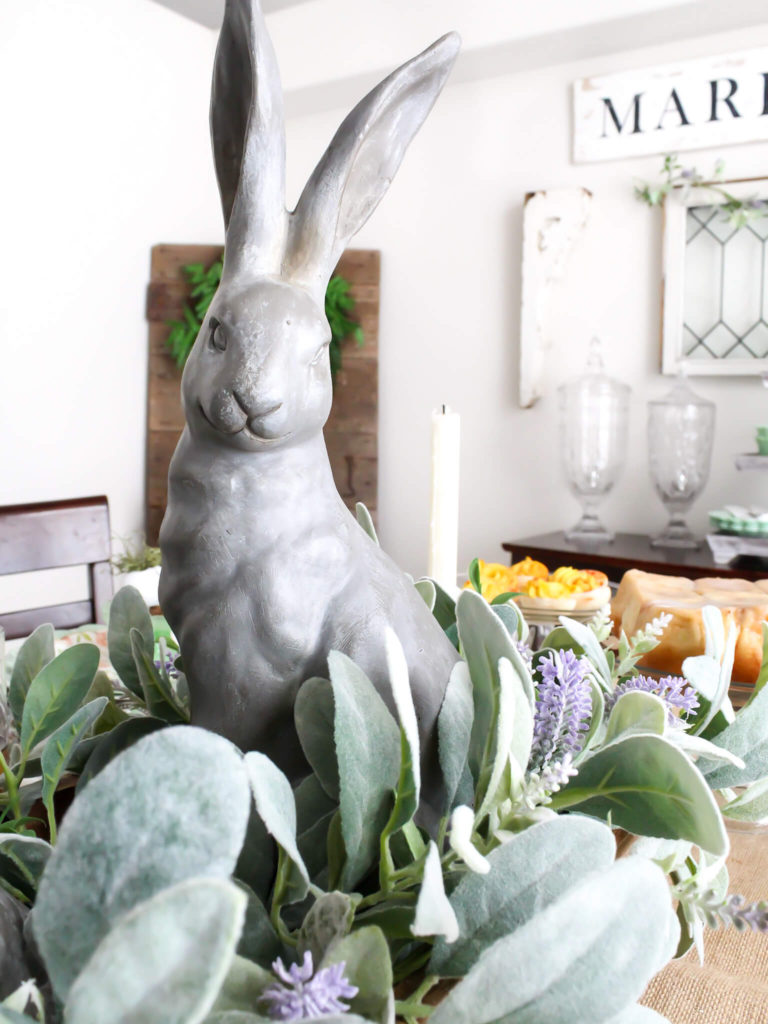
column 339, row 305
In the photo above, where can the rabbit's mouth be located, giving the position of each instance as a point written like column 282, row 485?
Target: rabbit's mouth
column 245, row 430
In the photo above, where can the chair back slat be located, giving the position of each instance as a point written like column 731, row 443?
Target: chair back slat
column 51, row 535
column 61, row 616
column 54, row 534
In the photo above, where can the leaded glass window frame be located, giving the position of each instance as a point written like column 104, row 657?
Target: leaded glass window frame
column 713, row 316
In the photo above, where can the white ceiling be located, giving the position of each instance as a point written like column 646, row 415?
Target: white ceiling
column 332, row 51
column 209, row 12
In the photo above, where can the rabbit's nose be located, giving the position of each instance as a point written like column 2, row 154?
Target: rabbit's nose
column 253, row 408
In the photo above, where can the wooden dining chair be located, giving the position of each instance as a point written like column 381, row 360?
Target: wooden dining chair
column 50, row 535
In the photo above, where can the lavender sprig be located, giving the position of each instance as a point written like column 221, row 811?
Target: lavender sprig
column 563, row 709
column 525, row 651
column 540, row 785
column 299, row 995
column 733, row 911
column 679, row 696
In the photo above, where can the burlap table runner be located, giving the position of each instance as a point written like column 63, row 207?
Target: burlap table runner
column 732, row 986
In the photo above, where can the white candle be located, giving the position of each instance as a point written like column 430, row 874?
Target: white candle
column 444, row 515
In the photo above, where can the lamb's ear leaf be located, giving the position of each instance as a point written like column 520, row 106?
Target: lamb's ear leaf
column 485, row 640
column 747, row 737
column 361, row 161
column 276, row 805
column 314, row 813
column 158, row 693
column 28, row 853
column 242, row 987
column 12, row 1017
column 34, row 654
column 368, row 752
column 621, row 780
column 128, row 611
column 367, row 966
column 206, row 801
column 329, row 919
column 434, row 914
column 313, row 713
column 248, row 134
column 445, row 607
column 528, row 873
column 408, row 788
column 454, row 727
column 636, row 712
column 583, row 636
column 60, row 747
column 365, row 520
column 237, row 1017
column 165, row 959
column 258, row 939
column 427, row 592
column 615, row 924
column 108, row 747
column 590, row 737
column 57, row 692
column 751, row 805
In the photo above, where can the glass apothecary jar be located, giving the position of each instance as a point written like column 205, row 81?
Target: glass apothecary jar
column 681, row 430
column 594, row 414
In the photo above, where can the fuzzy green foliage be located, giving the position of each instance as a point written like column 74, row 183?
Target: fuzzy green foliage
column 65, row 717
column 204, row 281
column 525, row 906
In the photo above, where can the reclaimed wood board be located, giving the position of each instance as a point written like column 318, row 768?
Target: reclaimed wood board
column 351, row 432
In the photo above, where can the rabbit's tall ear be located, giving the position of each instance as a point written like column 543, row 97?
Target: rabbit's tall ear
column 358, row 166
column 248, row 132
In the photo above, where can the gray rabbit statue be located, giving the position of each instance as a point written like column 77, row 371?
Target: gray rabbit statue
column 264, row 569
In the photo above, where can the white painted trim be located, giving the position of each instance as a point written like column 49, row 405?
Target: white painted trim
column 675, row 209
column 552, row 222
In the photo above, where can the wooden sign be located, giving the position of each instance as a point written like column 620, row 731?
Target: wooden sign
column 712, row 101
column 351, row 432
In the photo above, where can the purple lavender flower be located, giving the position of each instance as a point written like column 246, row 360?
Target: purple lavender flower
column 539, row 786
column 525, row 651
column 563, row 708
column 300, row 996
column 169, row 663
column 744, row 915
column 733, row 910
column 677, row 694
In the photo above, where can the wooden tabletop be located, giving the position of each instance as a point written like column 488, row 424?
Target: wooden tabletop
column 631, row 551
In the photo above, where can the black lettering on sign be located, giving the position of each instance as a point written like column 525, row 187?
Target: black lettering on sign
column 674, row 100
column 727, row 100
column 632, row 111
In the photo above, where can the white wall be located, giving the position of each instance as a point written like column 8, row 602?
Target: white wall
column 450, row 235
column 105, row 152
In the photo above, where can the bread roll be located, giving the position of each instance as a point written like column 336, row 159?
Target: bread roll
column 643, row 596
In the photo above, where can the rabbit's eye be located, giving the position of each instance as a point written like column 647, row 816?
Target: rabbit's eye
column 218, row 337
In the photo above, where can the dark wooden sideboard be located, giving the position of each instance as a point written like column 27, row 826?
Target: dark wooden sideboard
column 632, row 551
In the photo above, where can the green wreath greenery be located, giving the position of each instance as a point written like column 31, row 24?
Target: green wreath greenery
column 204, row 281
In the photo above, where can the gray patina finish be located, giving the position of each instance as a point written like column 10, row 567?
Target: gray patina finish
column 264, row 569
